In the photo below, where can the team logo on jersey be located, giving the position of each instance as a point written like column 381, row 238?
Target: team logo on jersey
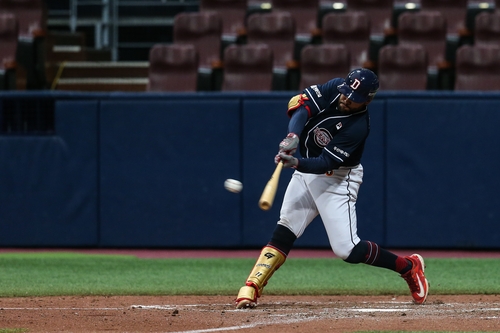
column 322, row 137
column 338, row 126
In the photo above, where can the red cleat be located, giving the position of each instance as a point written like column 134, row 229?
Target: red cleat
column 416, row 280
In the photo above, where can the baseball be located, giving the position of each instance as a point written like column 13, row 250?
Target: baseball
column 233, row 185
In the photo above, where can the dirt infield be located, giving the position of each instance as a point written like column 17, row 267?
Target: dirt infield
column 189, row 314
column 275, row 314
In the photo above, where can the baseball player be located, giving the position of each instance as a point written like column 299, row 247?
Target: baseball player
column 329, row 124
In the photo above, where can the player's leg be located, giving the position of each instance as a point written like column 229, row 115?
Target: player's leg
column 291, row 225
column 411, row 267
column 338, row 213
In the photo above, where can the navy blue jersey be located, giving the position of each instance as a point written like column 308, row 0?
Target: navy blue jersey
column 330, row 138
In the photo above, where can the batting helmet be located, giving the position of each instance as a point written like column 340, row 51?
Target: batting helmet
column 360, row 85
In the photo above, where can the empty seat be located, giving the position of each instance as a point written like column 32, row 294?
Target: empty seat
column 487, row 28
column 32, row 20
column 427, row 28
column 233, row 14
column 379, row 11
column 320, row 63
column 248, row 68
column 31, row 14
column 8, row 41
column 173, row 67
column 304, row 13
column 402, row 67
column 276, row 29
column 204, row 31
column 453, row 11
column 352, row 29
column 478, row 67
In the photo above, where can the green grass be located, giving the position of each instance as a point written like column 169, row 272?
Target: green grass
column 56, row 274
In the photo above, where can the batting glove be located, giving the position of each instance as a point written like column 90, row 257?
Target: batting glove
column 288, row 160
column 289, row 144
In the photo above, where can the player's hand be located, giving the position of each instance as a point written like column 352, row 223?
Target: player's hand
column 288, row 160
column 289, row 144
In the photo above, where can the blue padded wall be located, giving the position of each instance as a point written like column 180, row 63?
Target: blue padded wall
column 49, row 183
column 443, row 162
column 163, row 165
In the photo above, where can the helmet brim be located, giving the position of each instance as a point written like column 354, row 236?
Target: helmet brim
column 351, row 94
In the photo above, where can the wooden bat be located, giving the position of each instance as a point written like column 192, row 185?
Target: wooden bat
column 267, row 197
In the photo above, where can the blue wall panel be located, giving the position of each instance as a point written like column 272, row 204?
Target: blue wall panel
column 371, row 197
column 49, row 183
column 163, row 165
column 442, row 172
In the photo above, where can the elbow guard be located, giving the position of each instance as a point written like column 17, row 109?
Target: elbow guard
column 296, row 102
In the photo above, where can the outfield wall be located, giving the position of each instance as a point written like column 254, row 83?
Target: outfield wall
column 147, row 170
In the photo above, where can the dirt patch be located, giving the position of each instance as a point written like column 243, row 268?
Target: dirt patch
column 275, row 314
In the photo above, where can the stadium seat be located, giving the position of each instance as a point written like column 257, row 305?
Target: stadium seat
column 173, row 67
column 277, row 30
column 248, row 67
column 453, row 11
column 233, row 14
column 8, row 40
column 478, row 68
column 204, row 31
column 487, row 28
column 305, row 15
column 429, row 29
column 402, row 67
column 32, row 20
column 352, row 29
column 323, row 62
column 379, row 12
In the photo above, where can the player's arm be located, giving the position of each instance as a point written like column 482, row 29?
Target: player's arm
column 331, row 158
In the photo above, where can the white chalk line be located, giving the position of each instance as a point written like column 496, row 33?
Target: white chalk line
column 277, row 318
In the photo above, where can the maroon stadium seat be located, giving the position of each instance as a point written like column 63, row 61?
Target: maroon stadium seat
column 248, row 68
column 173, row 67
column 352, row 29
column 478, row 67
column 323, row 62
column 402, row 67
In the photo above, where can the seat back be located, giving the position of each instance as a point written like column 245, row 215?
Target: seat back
column 323, row 62
column 402, row 67
column 304, row 13
column 232, row 12
column 427, row 28
column 453, row 11
column 173, row 67
column 247, row 67
column 487, row 28
column 379, row 11
column 276, row 29
column 352, row 29
column 478, row 67
column 31, row 15
column 8, row 40
column 204, row 31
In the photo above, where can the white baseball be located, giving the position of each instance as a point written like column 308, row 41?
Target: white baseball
column 233, row 185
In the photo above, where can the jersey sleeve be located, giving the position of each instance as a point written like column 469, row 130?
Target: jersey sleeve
column 320, row 96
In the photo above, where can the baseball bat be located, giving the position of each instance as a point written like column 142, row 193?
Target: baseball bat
column 267, row 197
